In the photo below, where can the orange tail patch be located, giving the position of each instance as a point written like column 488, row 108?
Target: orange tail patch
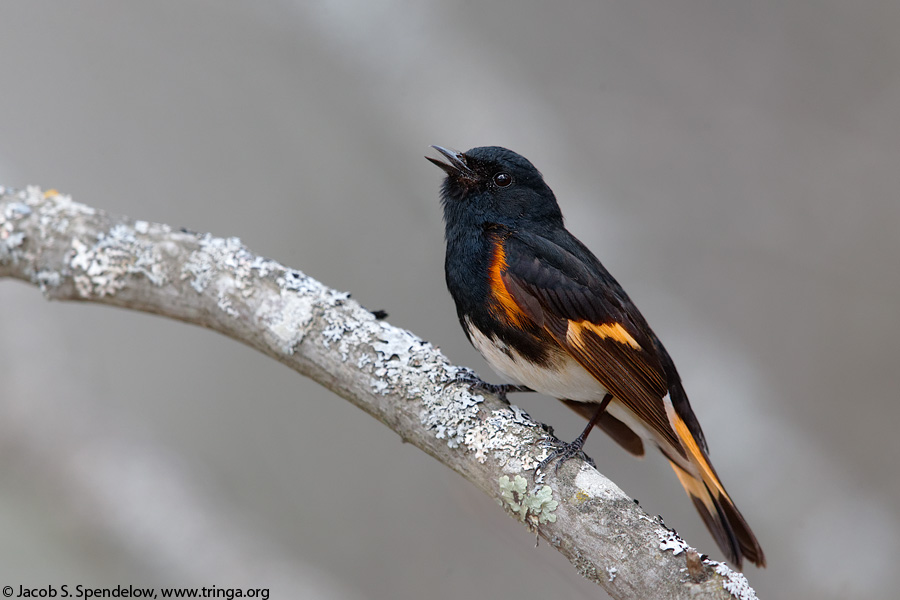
column 718, row 511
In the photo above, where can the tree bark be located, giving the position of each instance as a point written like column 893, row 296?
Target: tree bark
column 74, row 252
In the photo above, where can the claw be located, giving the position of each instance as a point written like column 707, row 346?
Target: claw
column 563, row 453
column 500, row 389
column 573, row 449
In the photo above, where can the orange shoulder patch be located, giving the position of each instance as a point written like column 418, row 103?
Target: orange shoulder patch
column 612, row 331
column 504, row 303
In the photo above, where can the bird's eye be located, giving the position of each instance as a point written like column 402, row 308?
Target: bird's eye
column 502, row 179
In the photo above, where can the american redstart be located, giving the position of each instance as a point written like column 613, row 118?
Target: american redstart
column 545, row 313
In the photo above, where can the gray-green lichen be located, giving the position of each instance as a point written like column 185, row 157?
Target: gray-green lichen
column 535, row 507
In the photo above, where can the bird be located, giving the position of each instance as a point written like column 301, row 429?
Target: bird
column 547, row 315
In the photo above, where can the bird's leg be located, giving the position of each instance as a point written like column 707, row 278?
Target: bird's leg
column 572, row 449
column 474, row 382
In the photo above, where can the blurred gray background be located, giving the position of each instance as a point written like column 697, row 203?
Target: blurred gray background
column 736, row 165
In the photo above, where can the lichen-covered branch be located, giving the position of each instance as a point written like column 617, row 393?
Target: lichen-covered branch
column 74, row 252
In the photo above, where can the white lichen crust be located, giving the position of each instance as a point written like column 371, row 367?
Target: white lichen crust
column 97, row 263
column 102, row 268
column 733, row 582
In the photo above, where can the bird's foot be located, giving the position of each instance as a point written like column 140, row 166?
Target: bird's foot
column 563, row 452
column 566, row 451
column 470, row 378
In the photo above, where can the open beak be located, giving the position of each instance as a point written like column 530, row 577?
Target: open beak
column 455, row 165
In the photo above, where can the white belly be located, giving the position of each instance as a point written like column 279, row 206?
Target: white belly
column 563, row 378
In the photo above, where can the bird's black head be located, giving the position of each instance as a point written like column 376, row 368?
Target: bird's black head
column 496, row 185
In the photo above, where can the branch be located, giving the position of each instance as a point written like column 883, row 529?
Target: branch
column 75, row 252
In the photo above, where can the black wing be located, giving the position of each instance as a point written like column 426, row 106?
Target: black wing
column 591, row 317
column 565, row 290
